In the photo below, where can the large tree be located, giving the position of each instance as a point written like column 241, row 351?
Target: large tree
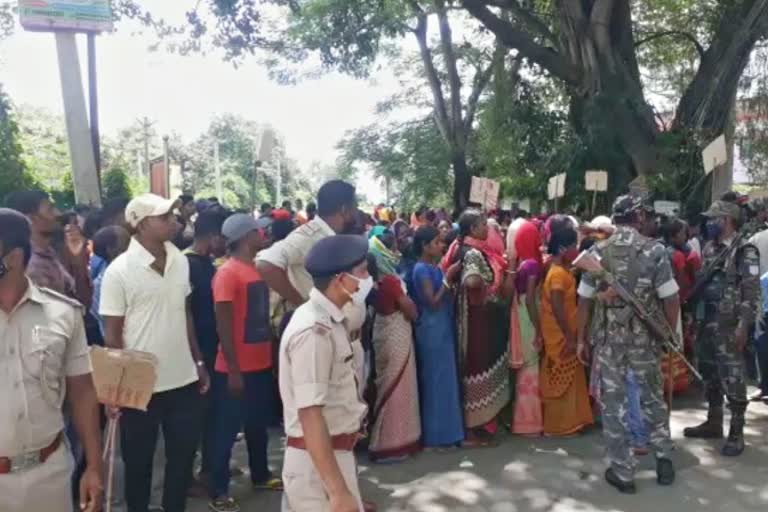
column 595, row 47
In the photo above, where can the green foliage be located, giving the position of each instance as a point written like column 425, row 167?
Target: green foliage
column 411, row 155
column 115, row 183
column 523, row 137
column 43, row 138
column 64, row 194
column 13, row 173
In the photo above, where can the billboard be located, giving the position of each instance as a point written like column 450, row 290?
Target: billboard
column 64, row 15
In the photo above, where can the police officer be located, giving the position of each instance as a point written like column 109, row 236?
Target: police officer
column 43, row 361
column 622, row 342
column 318, row 384
column 730, row 299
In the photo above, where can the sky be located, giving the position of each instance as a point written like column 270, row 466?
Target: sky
column 182, row 94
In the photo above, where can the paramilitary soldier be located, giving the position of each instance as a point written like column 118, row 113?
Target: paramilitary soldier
column 730, row 293
column 622, row 342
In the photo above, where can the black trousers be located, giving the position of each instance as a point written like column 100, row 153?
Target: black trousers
column 178, row 412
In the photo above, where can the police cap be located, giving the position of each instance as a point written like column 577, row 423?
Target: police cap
column 336, row 254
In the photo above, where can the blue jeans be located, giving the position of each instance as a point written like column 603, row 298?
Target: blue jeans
column 254, row 412
column 639, row 436
column 761, row 346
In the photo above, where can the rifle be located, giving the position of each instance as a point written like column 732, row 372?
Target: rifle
column 706, row 273
column 656, row 324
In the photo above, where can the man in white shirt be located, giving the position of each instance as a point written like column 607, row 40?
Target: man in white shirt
column 144, row 305
column 282, row 265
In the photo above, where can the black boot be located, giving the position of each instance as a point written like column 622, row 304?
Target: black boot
column 623, row 487
column 713, row 427
column 665, row 472
column 734, row 446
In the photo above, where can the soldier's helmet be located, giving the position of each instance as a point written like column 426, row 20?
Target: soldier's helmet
column 629, row 203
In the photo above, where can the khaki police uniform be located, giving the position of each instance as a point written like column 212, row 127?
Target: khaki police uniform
column 318, row 368
column 42, row 342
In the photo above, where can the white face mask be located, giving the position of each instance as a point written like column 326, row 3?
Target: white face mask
column 364, row 287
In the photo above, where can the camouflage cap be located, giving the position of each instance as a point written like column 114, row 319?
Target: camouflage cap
column 629, row 203
column 723, row 209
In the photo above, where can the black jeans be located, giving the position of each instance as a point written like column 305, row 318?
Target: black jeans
column 177, row 411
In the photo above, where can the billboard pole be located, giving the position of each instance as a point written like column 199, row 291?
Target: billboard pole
column 93, row 103
column 84, row 175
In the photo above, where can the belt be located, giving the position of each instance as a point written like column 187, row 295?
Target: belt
column 341, row 442
column 29, row 460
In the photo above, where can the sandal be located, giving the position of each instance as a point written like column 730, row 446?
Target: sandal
column 224, row 504
column 272, row 484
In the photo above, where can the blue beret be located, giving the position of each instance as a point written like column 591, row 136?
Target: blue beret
column 336, row 254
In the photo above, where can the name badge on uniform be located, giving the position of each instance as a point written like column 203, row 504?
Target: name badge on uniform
column 754, row 270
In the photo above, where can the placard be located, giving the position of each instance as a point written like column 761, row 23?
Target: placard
column 596, row 181
column 61, row 15
column 491, row 194
column 484, row 192
column 668, row 208
column 556, row 187
column 715, row 154
column 124, row 378
column 476, row 190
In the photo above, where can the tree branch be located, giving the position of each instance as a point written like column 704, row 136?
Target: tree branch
column 678, row 33
column 533, row 22
column 454, row 81
column 512, row 37
column 482, row 77
column 441, row 114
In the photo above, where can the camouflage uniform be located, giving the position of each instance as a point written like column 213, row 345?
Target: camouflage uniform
column 730, row 300
column 621, row 342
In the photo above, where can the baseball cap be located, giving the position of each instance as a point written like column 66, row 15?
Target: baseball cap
column 238, row 225
column 148, row 205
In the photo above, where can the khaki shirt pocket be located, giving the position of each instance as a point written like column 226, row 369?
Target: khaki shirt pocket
column 45, row 362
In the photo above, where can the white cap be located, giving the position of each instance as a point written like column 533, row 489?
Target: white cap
column 601, row 223
column 147, row 205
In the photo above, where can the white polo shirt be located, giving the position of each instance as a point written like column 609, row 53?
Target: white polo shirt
column 154, row 308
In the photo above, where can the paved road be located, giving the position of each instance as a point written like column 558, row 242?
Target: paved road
column 546, row 475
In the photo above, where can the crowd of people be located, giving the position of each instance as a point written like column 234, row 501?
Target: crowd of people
column 391, row 332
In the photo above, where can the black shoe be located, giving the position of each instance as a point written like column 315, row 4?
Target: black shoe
column 708, row 430
column 665, row 472
column 734, row 446
column 623, row 487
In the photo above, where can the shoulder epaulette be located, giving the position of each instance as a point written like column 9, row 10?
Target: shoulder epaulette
column 61, row 297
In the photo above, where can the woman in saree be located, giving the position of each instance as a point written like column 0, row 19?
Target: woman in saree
column 396, row 428
column 525, row 332
column 441, row 416
column 564, row 391
column 483, row 326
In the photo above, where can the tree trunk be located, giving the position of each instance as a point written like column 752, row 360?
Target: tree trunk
column 462, row 181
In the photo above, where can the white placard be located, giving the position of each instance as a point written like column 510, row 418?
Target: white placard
column 484, row 192
column 715, row 154
column 556, row 187
column 596, row 181
column 476, row 190
column 491, row 195
column 561, row 185
column 667, row 207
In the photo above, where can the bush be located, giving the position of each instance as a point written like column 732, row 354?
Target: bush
column 115, row 184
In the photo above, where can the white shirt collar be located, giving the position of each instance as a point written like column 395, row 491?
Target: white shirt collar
column 140, row 254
